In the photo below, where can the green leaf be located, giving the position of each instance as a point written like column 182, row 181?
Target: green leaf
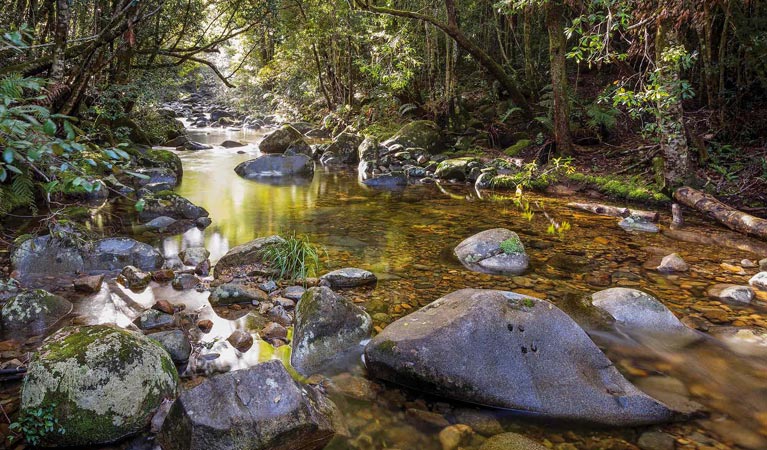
column 8, row 155
column 140, row 205
column 49, row 128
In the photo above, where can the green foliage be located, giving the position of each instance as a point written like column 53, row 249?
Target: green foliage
column 35, row 424
column 628, row 188
column 296, row 258
column 517, row 148
column 512, row 245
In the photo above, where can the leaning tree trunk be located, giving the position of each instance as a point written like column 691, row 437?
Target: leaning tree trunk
column 557, row 58
column 730, row 217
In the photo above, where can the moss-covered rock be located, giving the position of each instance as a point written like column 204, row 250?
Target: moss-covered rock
column 280, row 140
column 170, row 204
column 105, row 383
column 456, row 168
column 423, row 134
column 34, row 311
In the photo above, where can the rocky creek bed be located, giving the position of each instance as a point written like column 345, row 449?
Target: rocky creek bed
column 700, row 348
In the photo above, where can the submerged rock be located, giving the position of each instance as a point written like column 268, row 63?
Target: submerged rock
column 33, row 312
column 759, row 281
column 328, row 327
column 276, row 166
column 731, row 293
column 638, row 223
column 349, row 277
column 637, row 309
column 255, row 409
column 511, row 441
column 498, row 251
column 506, row 350
column 387, row 181
column 105, row 383
column 673, row 263
column 279, row 140
column 420, row 134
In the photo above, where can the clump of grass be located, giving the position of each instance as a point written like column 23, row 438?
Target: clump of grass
column 512, row 245
column 296, row 258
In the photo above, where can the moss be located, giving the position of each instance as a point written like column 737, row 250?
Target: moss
column 626, row 188
column 387, row 346
column 381, row 130
column 517, row 148
column 512, row 245
column 527, row 302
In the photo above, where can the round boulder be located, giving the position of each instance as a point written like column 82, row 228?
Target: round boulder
column 279, row 140
column 498, row 252
column 328, row 327
column 105, row 383
column 34, row 311
column 636, row 309
column 276, row 166
column 421, row 134
column 349, row 277
column 506, row 350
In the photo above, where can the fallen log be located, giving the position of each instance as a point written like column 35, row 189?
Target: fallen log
column 615, row 211
column 726, row 215
column 725, row 239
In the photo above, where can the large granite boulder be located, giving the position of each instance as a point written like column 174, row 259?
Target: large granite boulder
column 32, row 312
column 249, row 253
column 276, row 166
column 102, row 383
column 498, row 251
column 345, row 147
column 280, row 140
column 328, row 328
column 419, row 134
column 506, row 350
column 255, row 409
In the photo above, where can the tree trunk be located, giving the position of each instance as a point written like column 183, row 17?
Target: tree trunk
column 60, row 42
column 728, row 216
column 557, row 58
column 670, row 117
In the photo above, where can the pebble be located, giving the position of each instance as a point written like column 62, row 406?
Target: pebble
column 455, row 436
column 655, row 440
column 240, row 340
column 205, row 325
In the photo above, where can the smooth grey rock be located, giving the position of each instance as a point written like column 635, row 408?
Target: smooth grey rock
column 759, row 281
column 116, row 253
column 231, row 293
column 171, row 205
column 160, row 223
column 152, row 318
column 268, row 286
column 348, row 277
column 175, row 342
column 637, row 309
column 387, row 181
column 636, row 223
column 484, row 252
column 506, row 350
column 46, row 255
column 673, row 263
column 731, row 293
column 232, row 144
column 266, row 166
column 261, row 408
column 115, row 380
column 33, row 312
column 327, row 328
column 293, row 292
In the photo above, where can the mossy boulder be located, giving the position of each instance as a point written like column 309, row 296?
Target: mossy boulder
column 146, row 157
column 105, row 383
column 497, row 251
column 328, row 329
column 423, row 134
column 280, row 140
column 34, row 311
column 169, row 204
column 456, row 168
column 345, row 147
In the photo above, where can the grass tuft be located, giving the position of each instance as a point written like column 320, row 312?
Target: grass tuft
column 296, row 258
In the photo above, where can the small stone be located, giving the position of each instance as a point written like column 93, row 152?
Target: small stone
column 205, row 325
column 673, row 263
column 427, row 418
column 89, row 285
column 637, row 223
column 512, row 441
column 655, row 440
column 748, row 264
column 134, row 279
column 268, row 286
column 193, row 256
column 293, row 292
column 348, row 277
column 285, row 302
column 164, row 306
column 203, row 269
column 240, row 340
column 185, row 281
column 163, row 276
column 455, row 436
column 279, row 315
column 152, row 319
column 175, row 343
column 759, row 281
column 763, row 264
column 737, row 270
column 482, row 422
column 273, row 330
